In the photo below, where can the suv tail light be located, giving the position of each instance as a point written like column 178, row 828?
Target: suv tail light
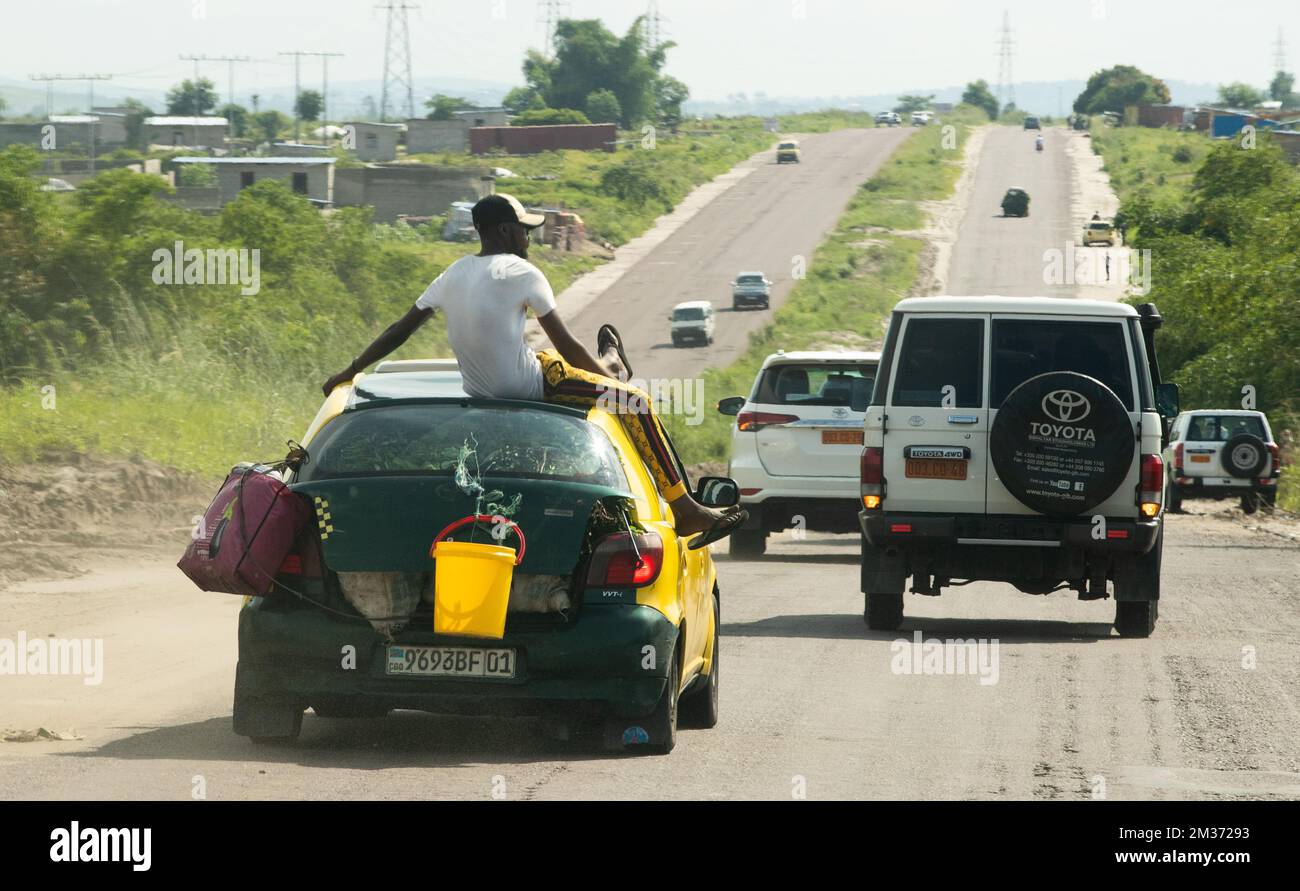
column 1178, row 459
column 757, row 420
column 1276, row 451
column 622, row 561
column 872, row 472
column 1152, row 485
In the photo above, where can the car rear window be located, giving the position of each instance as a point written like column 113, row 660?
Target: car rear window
column 1221, row 428
column 1025, row 348
column 940, row 353
column 429, row 438
column 816, row 384
column 689, row 314
column 750, row 279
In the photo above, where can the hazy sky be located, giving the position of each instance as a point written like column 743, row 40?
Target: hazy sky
column 781, row 47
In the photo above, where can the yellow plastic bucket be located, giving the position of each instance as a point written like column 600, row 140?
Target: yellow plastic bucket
column 472, row 585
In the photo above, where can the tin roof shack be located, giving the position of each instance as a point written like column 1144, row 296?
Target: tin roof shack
column 1289, row 141
column 542, row 138
column 310, row 177
column 1160, row 116
column 415, row 190
column 190, row 132
column 370, row 141
column 424, row 136
column 1225, row 123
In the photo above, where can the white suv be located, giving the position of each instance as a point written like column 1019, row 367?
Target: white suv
column 1016, row 440
column 795, row 446
column 692, row 321
column 1223, row 454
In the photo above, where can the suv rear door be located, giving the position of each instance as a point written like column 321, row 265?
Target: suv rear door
column 936, row 419
column 821, row 435
column 1203, row 445
column 1101, row 347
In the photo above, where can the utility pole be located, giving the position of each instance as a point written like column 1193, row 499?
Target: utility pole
column 230, row 69
column 1279, row 52
column 1006, row 50
column 654, row 30
column 49, row 79
column 297, row 80
column 397, row 58
column 325, row 91
column 549, row 13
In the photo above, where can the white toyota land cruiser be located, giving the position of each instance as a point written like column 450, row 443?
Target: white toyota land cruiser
column 1016, row 440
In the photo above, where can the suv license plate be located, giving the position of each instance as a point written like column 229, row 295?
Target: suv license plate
column 455, row 662
column 935, row 468
column 841, row 437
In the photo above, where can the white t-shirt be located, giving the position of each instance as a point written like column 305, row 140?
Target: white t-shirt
column 484, row 300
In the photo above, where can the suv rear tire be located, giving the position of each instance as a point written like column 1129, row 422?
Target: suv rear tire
column 748, row 543
column 1136, row 618
column 884, row 612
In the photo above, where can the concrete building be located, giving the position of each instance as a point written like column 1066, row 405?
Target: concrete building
column 192, row 132
column 483, row 117
column 425, row 136
column 299, row 150
column 371, row 141
column 543, row 138
column 310, row 177
column 416, row 190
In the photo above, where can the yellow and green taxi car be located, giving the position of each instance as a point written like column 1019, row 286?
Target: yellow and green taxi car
column 1099, row 232
column 787, row 152
column 612, row 620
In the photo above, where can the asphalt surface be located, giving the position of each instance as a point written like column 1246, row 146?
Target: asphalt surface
column 813, row 703
column 762, row 223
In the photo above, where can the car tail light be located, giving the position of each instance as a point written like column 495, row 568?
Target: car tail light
column 624, row 561
column 757, row 420
column 1117, row 533
column 1276, row 451
column 900, row 527
column 872, row 472
column 1152, row 486
column 1178, row 459
column 292, row 565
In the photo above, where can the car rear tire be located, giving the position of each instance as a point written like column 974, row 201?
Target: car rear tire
column 884, row 612
column 1249, row 503
column 1136, row 618
column 700, row 708
column 748, row 543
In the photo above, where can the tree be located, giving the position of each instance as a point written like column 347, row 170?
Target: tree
column 603, row 107
column 1114, row 89
column 910, row 103
column 268, row 124
column 590, row 57
column 238, row 117
column 1281, row 87
column 309, row 105
column 1239, row 95
column 551, row 116
column 441, row 106
column 978, row 94
column 670, row 93
column 522, row 99
column 192, row 97
column 136, row 112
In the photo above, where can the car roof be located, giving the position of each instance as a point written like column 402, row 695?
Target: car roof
column 693, row 304
column 1025, row 305
column 827, row 356
column 749, row 272
column 1226, row 412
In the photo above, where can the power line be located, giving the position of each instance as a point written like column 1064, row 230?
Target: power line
column 49, row 79
column 549, row 13
column 230, row 69
column 1006, row 51
column 325, row 90
column 397, row 58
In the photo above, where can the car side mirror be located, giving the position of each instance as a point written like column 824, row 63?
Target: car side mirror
column 731, row 405
column 1167, row 400
column 861, row 395
column 717, row 491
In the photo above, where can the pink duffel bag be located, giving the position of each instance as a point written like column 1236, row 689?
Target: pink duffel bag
column 248, row 530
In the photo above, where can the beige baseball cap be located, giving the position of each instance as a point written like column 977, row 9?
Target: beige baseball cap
column 503, row 208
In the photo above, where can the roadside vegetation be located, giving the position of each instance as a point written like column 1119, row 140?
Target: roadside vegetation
column 864, row 266
column 1223, row 228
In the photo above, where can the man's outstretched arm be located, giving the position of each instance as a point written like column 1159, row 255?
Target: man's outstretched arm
column 393, row 337
column 569, row 347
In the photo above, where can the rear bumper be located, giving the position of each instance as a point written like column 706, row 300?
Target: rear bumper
column 886, row 530
column 593, row 665
column 1199, row 487
column 750, row 298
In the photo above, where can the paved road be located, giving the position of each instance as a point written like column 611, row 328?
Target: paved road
column 1004, row 255
column 763, row 222
column 810, row 697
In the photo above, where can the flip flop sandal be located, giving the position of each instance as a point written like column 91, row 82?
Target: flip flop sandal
column 724, row 526
column 607, row 335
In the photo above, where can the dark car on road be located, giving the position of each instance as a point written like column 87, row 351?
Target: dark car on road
column 1015, row 203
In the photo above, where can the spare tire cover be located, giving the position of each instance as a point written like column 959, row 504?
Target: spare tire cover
column 1062, row 443
column 1244, row 456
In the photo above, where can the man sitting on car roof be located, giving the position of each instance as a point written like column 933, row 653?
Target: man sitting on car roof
column 484, row 298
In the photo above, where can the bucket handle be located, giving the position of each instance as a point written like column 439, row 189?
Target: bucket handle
column 482, row 518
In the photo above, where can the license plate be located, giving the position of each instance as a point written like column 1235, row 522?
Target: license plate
column 453, row 662
column 1200, row 459
column 935, row 468
column 841, row 437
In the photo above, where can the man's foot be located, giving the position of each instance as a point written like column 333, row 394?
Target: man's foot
column 691, row 518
